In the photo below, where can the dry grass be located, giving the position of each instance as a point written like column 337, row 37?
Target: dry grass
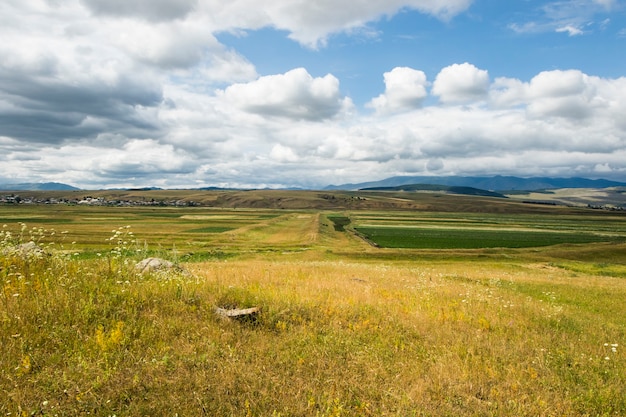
column 344, row 329
column 334, row 338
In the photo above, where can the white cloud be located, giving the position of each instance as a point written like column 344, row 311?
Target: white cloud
column 117, row 93
column 227, row 66
column 566, row 17
column 558, row 83
column 461, row 83
column 405, row 89
column 282, row 153
column 524, row 129
column 570, row 30
column 311, row 22
column 295, row 94
column 569, row 94
column 168, row 45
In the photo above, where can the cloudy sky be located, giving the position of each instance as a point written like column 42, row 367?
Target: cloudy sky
column 273, row 93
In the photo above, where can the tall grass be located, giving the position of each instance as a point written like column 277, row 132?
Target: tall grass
column 333, row 338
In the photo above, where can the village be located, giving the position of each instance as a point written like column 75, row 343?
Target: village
column 93, row 201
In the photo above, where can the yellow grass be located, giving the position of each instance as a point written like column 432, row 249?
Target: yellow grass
column 345, row 329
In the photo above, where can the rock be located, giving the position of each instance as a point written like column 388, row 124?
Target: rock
column 241, row 315
column 28, row 249
column 234, row 313
column 154, row 264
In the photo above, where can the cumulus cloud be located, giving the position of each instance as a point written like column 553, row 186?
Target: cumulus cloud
column 461, row 83
column 174, row 45
column 151, row 10
column 115, row 93
column 294, row 94
column 227, row 66
column 142, row 157
column 50, row 109
column 405, row 89
column 569, row 94
column 310, row 23
column 283, row 153
column 526, row 127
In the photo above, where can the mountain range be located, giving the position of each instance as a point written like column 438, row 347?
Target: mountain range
column 38, row 186
column 496, row 183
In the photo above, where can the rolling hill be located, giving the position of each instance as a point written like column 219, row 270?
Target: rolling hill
column 441, row 188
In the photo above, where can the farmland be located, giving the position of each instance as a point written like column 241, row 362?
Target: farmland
column 371, row 304
column 435, row 231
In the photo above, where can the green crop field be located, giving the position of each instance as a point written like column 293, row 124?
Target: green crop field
column 443, row 238
column 476, row 231
column 463, row 306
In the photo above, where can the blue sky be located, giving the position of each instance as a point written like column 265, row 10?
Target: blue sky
column 274, row 93
column 490, row 35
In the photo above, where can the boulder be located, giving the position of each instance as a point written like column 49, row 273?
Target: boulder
column 154, row 264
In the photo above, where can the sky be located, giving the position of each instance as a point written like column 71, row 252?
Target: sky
column 301, row 93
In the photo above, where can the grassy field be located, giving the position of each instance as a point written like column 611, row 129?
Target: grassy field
column 345, row 328
column 475, row 231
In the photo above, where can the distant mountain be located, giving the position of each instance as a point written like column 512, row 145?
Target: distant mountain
column 43, row 186
column 497, row 183
column 445, row 188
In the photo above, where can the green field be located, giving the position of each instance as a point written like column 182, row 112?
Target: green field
column 440, row 238
column 462, row 306
column 476, row 231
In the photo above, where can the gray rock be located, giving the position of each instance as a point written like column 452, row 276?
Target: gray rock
column 154, row 264
column 28, row 249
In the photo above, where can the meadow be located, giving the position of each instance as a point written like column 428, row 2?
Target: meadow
column 349, row 325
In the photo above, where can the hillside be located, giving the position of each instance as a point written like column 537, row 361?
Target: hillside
column 441, row 188
column 592, row 197
column 299, row 200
